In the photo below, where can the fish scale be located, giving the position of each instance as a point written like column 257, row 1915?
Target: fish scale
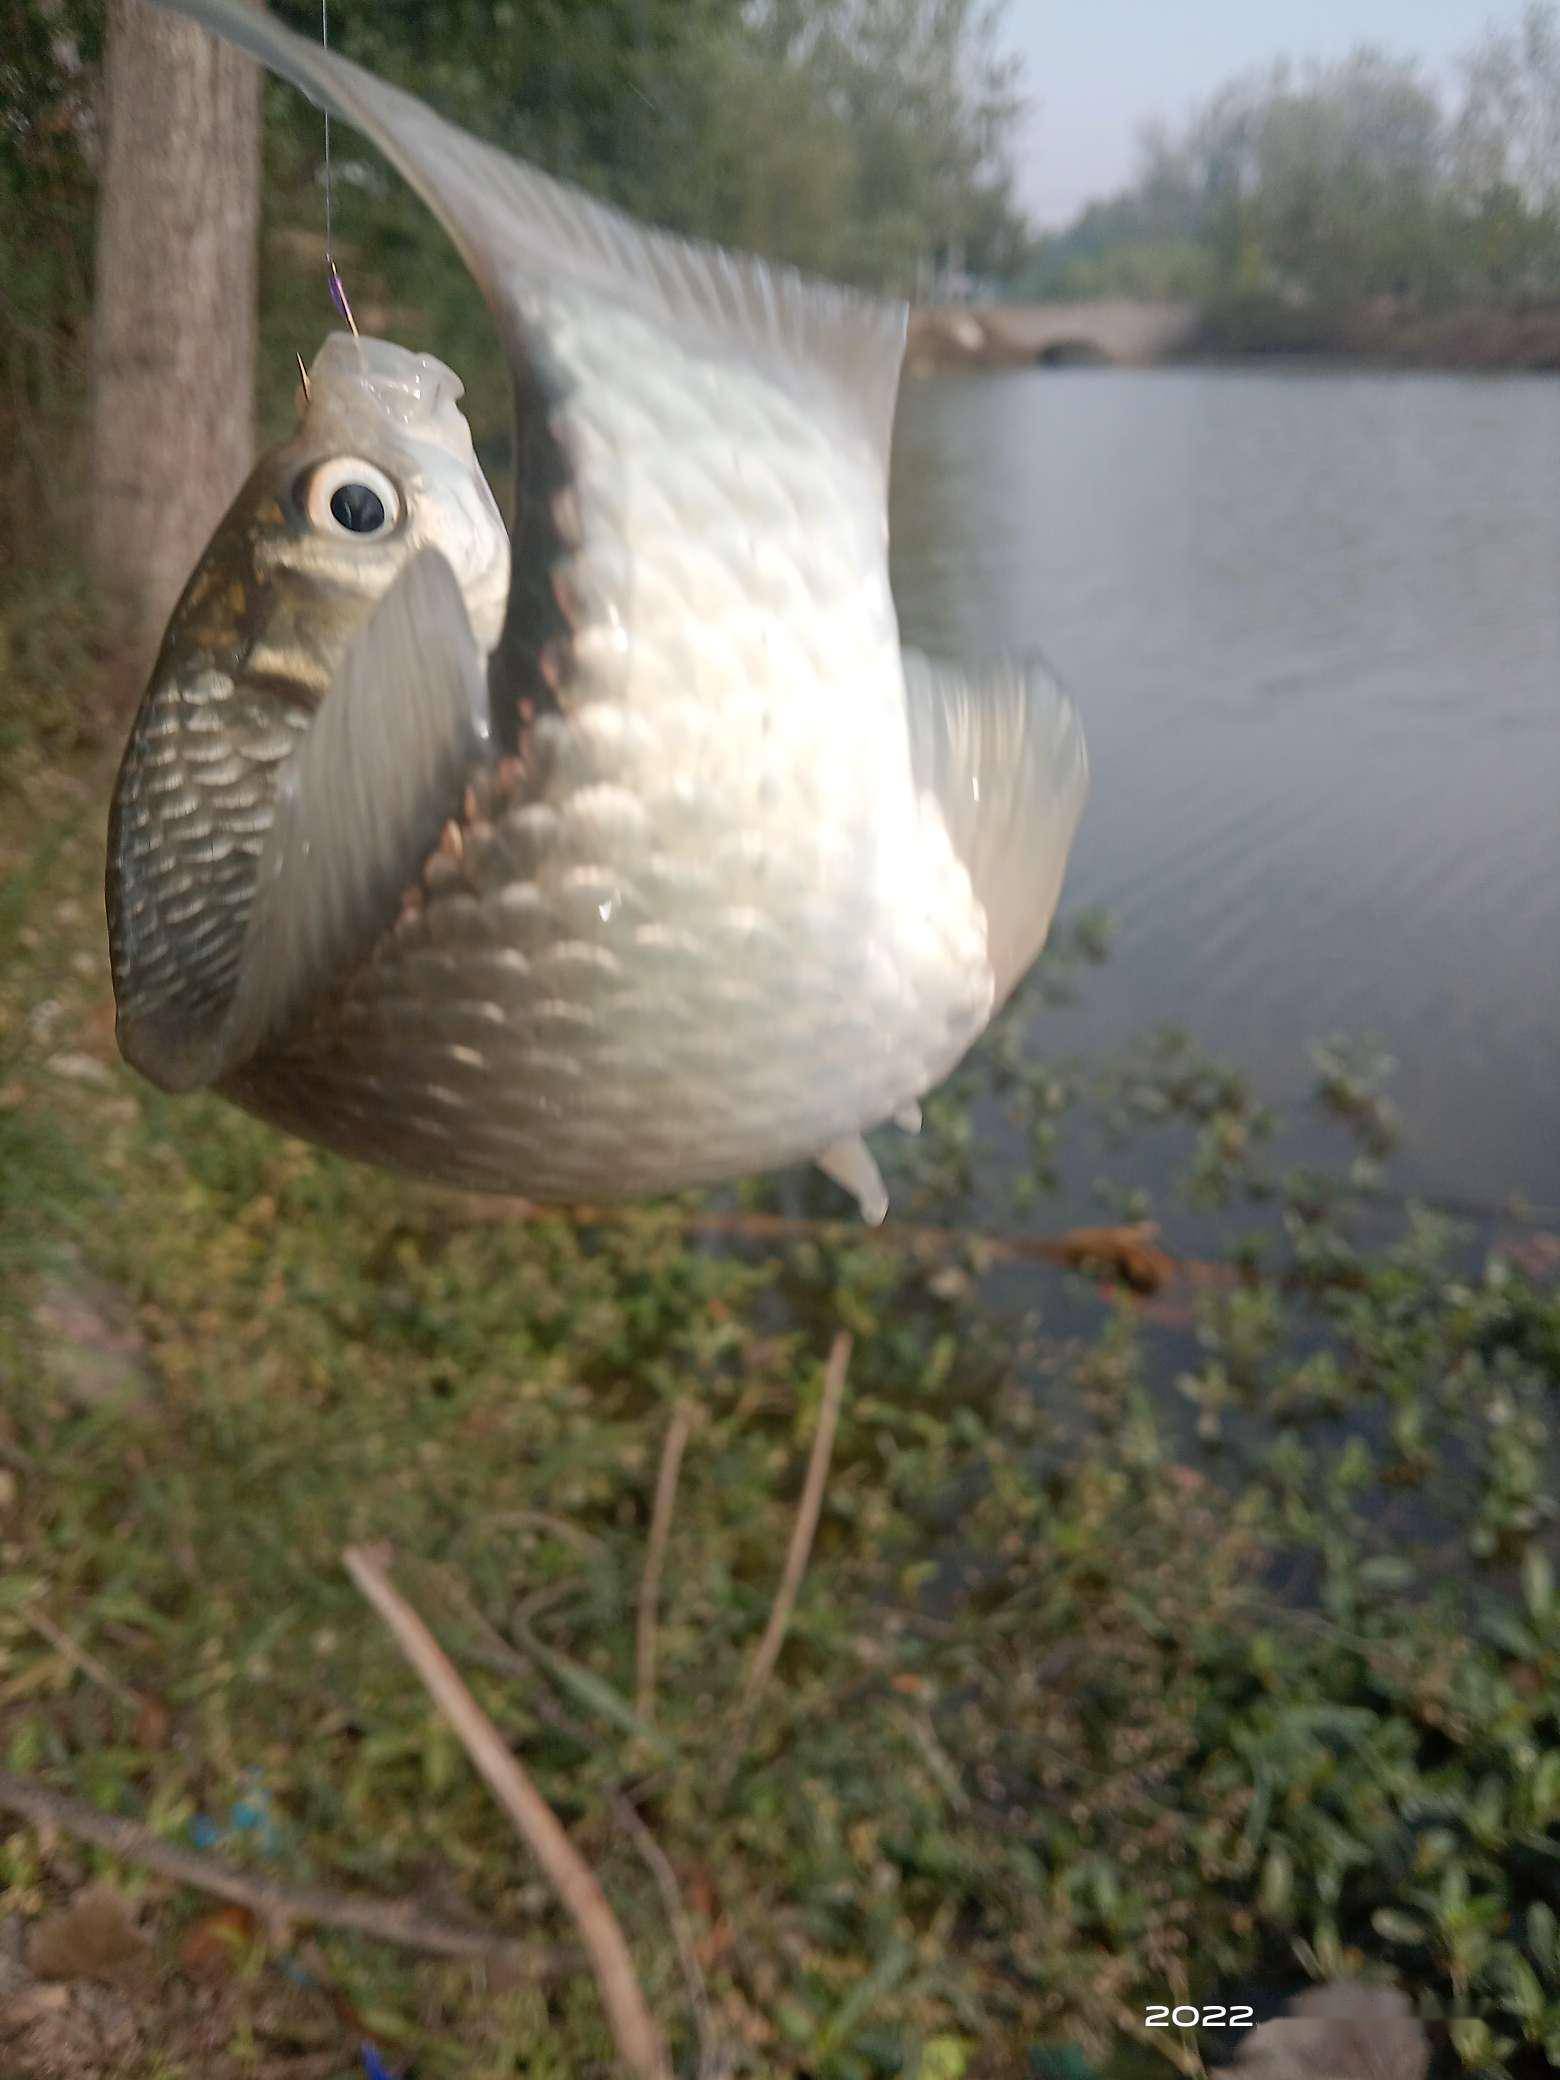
column 697, row 1059
column 695, row 1047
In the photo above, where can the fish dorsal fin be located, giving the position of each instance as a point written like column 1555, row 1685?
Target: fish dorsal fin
column 517, row 227
column 360, row 804
column 1003, row 754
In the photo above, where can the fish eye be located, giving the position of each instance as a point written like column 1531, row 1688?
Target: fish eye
column 349, row 496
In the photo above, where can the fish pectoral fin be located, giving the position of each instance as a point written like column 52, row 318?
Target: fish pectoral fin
column 849, row 1163
column 908, row 1118
column 1003, row 755
column 362, row 802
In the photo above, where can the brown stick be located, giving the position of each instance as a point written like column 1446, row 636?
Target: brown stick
column 277, row 1906
column 802, row 1529
column 672, row 1449
column 784, row 1227
column 897, row 1234
column 638, row 2040
column 81, row 1658
column 712, row 2059
column 1127, row 1254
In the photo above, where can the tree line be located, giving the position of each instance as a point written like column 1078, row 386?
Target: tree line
column 860, row 139
column 1322, row 185
column 867, row 140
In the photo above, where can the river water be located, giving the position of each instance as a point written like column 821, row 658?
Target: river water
column 1312, row 618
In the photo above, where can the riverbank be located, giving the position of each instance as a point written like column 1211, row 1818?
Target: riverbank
column 1157, row 1634
column 1388, row 334
column 1384, row 333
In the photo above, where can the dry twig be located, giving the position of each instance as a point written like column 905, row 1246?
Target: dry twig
column 802, row 1530
column 638, row 2040
column 713, row 2062
column 81, row 1658
column 276, row 1907
column 677, row 1431
column 487, row 1646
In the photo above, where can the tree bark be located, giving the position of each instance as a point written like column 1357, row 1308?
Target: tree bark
column 175, row 321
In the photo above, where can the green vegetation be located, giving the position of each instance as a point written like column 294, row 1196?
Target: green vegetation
column 1297, row 193
column 864, row 139
column 1152, row 1648
column 1185, row 1642
column 859, row 138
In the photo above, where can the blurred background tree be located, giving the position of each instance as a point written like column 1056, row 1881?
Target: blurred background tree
column 864, row 139
column 869, row 140
column 173, row 350
column 1312, row 188
column 49, row 60
column 860, row 138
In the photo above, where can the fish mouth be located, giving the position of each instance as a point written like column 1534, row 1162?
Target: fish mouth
column 360, row 387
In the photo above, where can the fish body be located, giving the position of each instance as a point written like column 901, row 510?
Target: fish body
column 627, row 854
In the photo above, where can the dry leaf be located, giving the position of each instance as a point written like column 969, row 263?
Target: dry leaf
column 211, row 1945
column 153, row 1723
column 1339, row 2032
column 94, row 1938
column 1127, row 1252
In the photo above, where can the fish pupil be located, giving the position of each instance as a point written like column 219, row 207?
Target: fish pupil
column 359, row 509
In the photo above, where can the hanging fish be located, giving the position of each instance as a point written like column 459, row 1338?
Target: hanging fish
column 626, row 852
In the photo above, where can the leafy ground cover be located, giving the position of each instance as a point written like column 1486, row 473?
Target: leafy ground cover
column 1179, row 1644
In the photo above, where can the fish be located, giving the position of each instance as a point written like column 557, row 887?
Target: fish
column 625, row 850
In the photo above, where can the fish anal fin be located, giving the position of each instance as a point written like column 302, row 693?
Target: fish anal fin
column 850, row 1164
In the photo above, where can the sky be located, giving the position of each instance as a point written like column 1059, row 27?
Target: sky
column 1096, row 68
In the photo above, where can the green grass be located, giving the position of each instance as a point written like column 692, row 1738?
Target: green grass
column 1146, row 1654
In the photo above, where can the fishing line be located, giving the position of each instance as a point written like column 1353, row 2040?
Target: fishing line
column 338, row 293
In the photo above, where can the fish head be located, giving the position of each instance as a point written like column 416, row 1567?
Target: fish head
column 380, row 468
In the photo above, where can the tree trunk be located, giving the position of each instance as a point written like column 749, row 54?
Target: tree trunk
column 174, row 341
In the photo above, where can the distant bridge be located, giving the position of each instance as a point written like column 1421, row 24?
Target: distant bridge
column 1008, row 335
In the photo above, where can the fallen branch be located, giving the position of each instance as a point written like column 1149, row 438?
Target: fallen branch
column 638, row 2040
column 802, row 1531
column 1127, row 1254
column 774, row 1227
column 278, row 1908
column 677, row 1431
